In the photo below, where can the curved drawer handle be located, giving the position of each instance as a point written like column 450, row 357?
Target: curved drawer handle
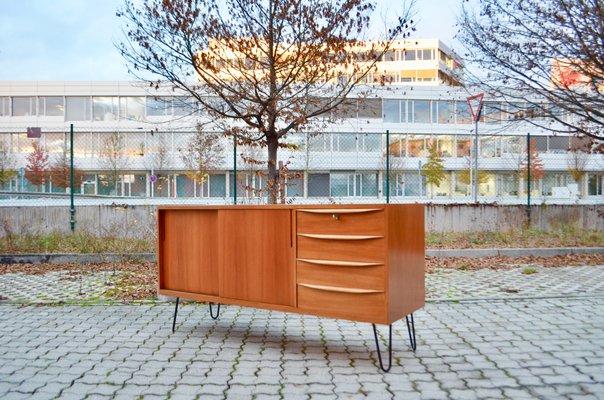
column 340, row 263
column 340, row 289
column 340, row 237
column 339, row 210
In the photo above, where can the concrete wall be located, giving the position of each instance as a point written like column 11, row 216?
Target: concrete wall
column 139, row 221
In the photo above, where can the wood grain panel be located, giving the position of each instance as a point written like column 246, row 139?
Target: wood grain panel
column 368, row 307
column 406, row 260
column 366, row 221
column 360, row 277
column 188, row 256
column 257, row 256
column 370, row 250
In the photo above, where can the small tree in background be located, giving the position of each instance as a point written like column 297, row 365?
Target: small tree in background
column 60, row 171
column 159, row 160
column 36, row 171
column 202, row 153
column 113, row 157
column 536, row 164
column 466, row 176
column 7, row 163
column 434, row 170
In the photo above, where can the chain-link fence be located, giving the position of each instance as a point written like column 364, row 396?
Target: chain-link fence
column 190, row 167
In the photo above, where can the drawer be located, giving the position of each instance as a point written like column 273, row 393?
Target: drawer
column 341, row 221
column 340, row 302
column 342, row 273
column 341, row 247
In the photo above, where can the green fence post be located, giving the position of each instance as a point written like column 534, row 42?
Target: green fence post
column 234, row 169
column 528, row 178
column 387, row 166
column 71, row 188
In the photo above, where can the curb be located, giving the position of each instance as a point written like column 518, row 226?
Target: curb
column 75, row 258
column 512, row 252
column 151, row 257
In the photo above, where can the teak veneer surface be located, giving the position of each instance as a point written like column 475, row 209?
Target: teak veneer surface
column 358, row 262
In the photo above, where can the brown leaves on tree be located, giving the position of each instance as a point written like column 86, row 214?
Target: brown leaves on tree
column 545, row 55
column 36, row 170
column 260, row 65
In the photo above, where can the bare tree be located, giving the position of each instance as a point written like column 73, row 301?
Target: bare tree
column 202, row 153
column 270, row 67
column 114, row 158
column 545, row 58
column 160, row 158
column 8, row 163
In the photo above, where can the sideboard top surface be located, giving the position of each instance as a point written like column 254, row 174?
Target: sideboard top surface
column 381, row 206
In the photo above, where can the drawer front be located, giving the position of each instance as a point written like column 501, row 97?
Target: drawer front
column 330, row 302
column 362, row 221
column 342, row 248
column 346, row 274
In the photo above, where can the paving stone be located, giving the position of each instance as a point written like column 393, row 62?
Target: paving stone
column 501, row 349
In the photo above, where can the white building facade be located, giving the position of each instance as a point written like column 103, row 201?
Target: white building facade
column 346, row 161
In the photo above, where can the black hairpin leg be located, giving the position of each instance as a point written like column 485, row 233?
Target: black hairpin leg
column 377, row 345
column 411, row 330
column 217, row 311
column 175, row 312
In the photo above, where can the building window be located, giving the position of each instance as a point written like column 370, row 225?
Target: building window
column 52, row 106
column 392, row 111
column 183, row 106
column 353, row 184
column 132, row 108
column 398, row 145
column 507, row 184
column 416, row 146
column 512, row 145
column 370, row 142
column 77, row 108
column 4, row 106
column 595, row 186
column 23, row 106
column 105, row 108
column 159, row 106
column 319, row 142
column 420, row 113
column 339, row 185
column 558, row 144
column 369, row 108
column 491, row 112
column 446, row 112
column 489, row 147
column 318, row 185
column 294, row 184
column 463, row 114
column 409, row 55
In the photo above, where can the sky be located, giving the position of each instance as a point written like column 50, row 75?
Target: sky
column 74, row 39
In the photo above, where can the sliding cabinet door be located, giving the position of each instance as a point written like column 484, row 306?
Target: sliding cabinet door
column 256, row 256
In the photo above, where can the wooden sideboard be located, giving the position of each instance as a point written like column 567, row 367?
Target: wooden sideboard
column 356, row 262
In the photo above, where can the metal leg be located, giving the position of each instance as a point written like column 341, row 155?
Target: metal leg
column 175, row 312
column 377, row 345
column 411, row 330
column 217, row 311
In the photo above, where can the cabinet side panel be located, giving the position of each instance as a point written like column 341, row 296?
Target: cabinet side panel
column 406, row 259
column 257, row 256
column 189, row 251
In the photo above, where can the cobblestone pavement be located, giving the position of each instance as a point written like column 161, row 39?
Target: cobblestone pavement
column 539, row 348
column 444, row 284
column 56, row 286
column 512, row 283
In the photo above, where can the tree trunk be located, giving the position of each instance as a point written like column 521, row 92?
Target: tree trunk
column 272, row 184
